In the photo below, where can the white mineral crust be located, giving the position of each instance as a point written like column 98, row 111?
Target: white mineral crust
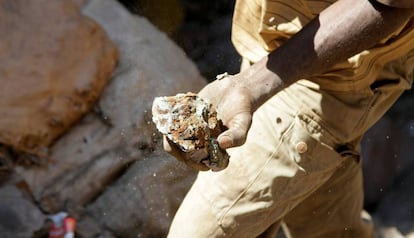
column 191, row 123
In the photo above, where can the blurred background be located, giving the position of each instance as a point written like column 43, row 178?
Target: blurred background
column 105, row 166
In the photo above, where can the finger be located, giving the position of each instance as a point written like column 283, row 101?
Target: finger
column 197, row 155
column 237, row 132
column 190, row 159
column 172, row 149
column 196, row 166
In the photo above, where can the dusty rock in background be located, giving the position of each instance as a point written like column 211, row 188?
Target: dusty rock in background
column 118, row 141
column 150, row 65
column 54, row 64
column 143, row 201
column 19, row 217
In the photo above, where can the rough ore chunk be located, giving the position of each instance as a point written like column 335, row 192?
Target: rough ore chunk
column 191, row 123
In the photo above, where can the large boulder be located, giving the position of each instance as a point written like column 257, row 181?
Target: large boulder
column 112, row 162
column 54, row 64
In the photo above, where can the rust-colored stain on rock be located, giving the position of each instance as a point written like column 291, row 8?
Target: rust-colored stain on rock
column 192, row 124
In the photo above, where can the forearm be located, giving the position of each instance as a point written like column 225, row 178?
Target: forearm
column 339, row 32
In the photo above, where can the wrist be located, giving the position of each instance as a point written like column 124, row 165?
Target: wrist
column 261, row 82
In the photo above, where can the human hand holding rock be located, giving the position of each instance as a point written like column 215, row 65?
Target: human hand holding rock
column 190, row 128
column 198, row 128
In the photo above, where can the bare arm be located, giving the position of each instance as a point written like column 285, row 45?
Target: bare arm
column 344, row 29
column 339, row 32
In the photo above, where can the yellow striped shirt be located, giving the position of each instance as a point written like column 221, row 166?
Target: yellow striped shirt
column 260, row 26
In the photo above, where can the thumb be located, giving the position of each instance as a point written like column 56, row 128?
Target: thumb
column 237, row 132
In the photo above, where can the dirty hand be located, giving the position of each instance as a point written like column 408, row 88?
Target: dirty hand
column 234, row 105
column 234, row 108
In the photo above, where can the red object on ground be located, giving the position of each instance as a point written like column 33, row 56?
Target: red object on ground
column 69, row 224
column 56, row 231
column 63, row 226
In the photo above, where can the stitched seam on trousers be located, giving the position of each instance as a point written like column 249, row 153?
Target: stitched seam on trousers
column 282, row 140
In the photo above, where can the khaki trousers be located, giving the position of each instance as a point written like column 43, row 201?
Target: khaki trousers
column 299, row 166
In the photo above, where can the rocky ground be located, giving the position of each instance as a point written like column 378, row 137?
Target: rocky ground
column 108, row 169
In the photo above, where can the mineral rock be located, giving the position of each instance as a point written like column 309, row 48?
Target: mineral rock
column 191, row 123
